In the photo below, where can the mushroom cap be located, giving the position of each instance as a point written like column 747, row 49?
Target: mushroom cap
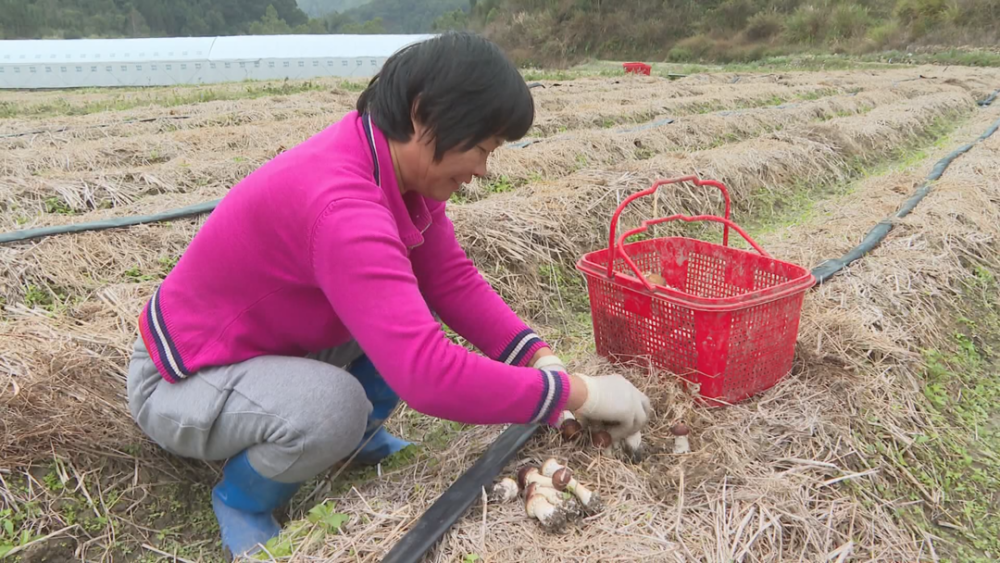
column 680, row 429
column 550, row 466
column 571, row 429
column 508, row 483
column 561, row 478
column 529, row 490
column 601, row 439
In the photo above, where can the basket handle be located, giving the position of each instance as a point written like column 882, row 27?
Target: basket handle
column 651, row 190
column 687, row 219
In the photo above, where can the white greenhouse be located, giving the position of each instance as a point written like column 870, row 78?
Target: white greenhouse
column 75, row 63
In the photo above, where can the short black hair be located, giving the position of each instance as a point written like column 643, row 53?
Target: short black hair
column 467, row 91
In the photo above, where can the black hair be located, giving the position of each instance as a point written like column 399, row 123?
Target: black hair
column 466, row 90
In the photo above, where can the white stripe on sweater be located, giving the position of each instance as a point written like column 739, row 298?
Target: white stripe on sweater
column 517, row 349
column 159, row 334
column 371, row 141
column 548, row 396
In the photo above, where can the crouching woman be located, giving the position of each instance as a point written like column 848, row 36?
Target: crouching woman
column 303, row 309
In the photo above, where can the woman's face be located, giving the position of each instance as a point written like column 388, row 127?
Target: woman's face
column 439, row 180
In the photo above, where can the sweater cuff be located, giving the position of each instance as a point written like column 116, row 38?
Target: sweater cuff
column 520, row 348
column 555, row 394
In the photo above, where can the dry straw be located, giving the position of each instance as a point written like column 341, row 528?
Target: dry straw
column 768, row 480
column 784, row 477
column 511, row 234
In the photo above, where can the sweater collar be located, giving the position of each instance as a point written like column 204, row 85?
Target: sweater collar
column 410, row 211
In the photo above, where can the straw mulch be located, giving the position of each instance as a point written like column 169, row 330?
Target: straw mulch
column 509, row 233
column 754, row 488
column 563, row 154
column 598, row 111
column 786, row 476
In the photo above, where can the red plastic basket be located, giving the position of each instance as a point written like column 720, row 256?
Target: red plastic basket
column 725, row 320
column 637, row 68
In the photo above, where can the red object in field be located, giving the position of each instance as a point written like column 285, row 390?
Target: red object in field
column 725, row 320
column 637, row 68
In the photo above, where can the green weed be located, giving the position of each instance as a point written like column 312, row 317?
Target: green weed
column 499, row 184
column 352, row 86
column 56, row 205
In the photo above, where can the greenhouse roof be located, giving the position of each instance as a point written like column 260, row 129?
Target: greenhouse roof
column 244, row 47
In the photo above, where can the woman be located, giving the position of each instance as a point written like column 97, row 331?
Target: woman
column 304, row 303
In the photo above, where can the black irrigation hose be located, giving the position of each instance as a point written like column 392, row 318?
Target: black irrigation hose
column 143, row 120
column 189, row 211
column 454, row 502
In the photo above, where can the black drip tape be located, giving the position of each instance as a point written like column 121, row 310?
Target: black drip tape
column 453, row 503
column 190, row 211
column 101, row 126
column 989, row 99
column 828, row 268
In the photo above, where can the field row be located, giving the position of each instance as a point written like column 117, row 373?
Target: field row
column 46, row 179
column 841, row 457
column 68, row 307
column 818, row 153
column 563, row 154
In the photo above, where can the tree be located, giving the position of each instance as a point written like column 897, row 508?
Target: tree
column 455, row 20
column 270, row 24
column 370, row 27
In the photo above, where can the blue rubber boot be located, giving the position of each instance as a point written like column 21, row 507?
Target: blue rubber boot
column 383, row 399
column 244, row 502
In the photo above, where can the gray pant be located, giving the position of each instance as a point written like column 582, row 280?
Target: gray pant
column 297, row 416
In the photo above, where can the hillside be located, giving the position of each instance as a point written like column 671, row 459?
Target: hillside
column 405, row 16
column 320, row 8
column 70, row 19
column 542, row 31
column 547, row 32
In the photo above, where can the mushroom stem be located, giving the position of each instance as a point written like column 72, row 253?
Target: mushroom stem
column 537, row 506
column 533, row 476
column 681, row 444
column 590, row 500
column 550, row 467
column 558, row 499
column 633, row 445
column 566, row 415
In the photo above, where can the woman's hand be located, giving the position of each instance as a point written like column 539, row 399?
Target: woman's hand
column 610, row 399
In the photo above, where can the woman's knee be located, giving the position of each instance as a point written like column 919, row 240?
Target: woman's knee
column 336, row 411
column 324, row 411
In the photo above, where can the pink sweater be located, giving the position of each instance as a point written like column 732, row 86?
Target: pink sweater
column 319, row 246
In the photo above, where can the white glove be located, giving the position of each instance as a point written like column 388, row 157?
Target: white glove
column 614, row 401
column 549, row 362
